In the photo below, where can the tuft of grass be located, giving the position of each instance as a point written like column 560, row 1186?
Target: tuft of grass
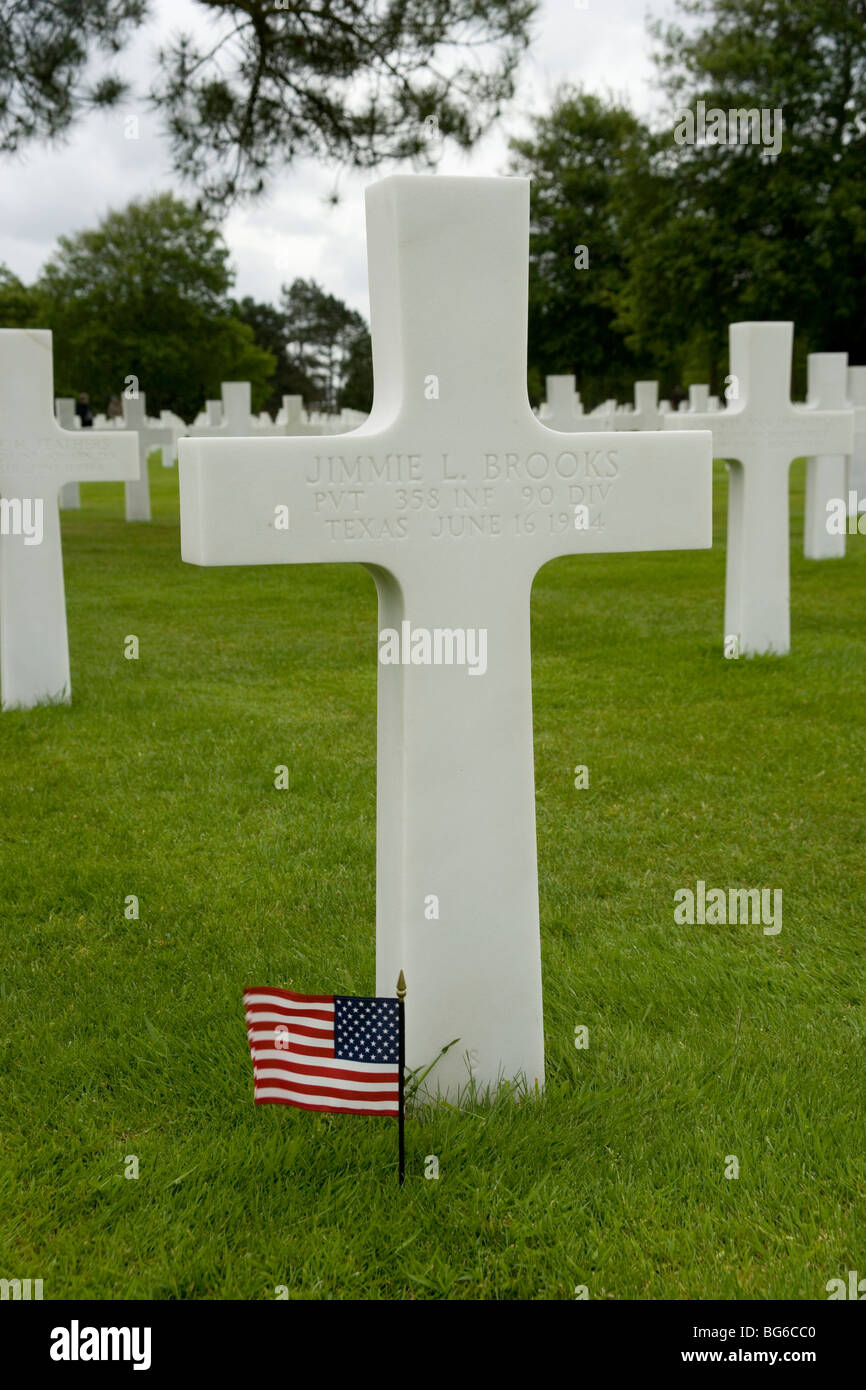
column 126, row 1036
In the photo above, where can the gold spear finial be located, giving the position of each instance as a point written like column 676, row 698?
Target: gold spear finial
column 401, row 986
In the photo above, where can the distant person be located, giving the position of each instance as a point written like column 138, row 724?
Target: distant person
column 83, row 410
column 115, row 409
column 676, row 396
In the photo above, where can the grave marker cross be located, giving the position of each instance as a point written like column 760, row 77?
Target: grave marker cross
column 857, row 460
column 150, row 437
column 64, row 410
column 646, row 414
column 36, row 458
column 453, row 495
column 826, row 475
column 760, row 434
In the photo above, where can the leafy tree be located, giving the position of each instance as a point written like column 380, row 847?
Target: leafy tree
column 672, row 305
column 579, row 158
column 737, row 234
column 322, row 333
column 692, row 237
column 357, row 392
column 146, row 294
column 45, row 46
column 20, row 305
column 350, row 82
column 269, row 330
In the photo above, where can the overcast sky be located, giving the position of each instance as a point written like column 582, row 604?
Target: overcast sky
column 293, row 231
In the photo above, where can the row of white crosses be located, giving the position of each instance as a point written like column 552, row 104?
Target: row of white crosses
column 453, row 495
column 229, row 417
column 562, row 408
column 42, row 461
column 759, row 434
column 232, row 416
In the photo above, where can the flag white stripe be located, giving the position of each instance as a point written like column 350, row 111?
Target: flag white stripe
column 323, row 1007
column 331, row 1082
column 296, row 1021
column 265, row 1093
column 269, row 1030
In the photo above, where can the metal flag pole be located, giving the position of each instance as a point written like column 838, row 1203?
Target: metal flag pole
column 401, row 1059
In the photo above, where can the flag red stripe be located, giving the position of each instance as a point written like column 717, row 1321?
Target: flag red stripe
column 304, row 1050
column 319, row 1033
column 302, row 1069
column 270, row 1083
column 252, row 1010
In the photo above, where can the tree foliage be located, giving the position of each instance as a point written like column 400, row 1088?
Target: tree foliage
column 681, row 239
column 45, row 47
column 146, row 294
column 686, row 239
column 323, row 336
column 20, row 304
column 742, row 234
column 268, row 325
column 352, row 82
column 345, row 81
column 579, row 156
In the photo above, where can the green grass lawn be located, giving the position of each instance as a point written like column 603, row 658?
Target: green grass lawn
column 124, row 1037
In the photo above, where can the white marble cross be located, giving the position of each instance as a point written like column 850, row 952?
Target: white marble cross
column 604, row 417
column 291, row 417
column 64, row 410
column 150, row 437
column 857, row 459
column 826, row 474
column 561, row 408
column 646, row 414
column 760, row 434
column 453, row 495
column 36, row 458
column 177, row 426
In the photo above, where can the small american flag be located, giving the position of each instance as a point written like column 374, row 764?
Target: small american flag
column 324, row 1051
